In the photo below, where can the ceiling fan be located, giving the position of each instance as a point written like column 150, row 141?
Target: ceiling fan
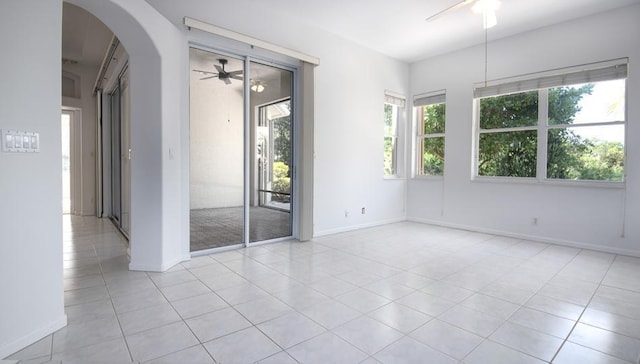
column 222, row 74
column 485, row 7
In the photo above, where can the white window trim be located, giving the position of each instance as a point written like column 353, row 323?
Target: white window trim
column 420, row 100
column 543, row 126
column 400, row 101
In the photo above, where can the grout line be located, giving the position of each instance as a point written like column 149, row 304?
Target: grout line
column 124, row 337
column 584, row 310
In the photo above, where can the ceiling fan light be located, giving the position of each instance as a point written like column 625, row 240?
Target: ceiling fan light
column 257, row 87
column 489, row 19
column 483, row 6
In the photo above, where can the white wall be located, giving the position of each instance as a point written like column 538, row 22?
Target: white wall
column 580, row 216
column 30, row 259
column 217, row 144
column 157, row 65
column 87, row 103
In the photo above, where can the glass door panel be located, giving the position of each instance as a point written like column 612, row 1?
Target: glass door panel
column 216, row 150
column 271, row 158
column 116, row 165
column 125, row 153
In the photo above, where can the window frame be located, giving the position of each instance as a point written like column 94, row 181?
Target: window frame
column 394, row 142
column 398, row 102
column 542, row 129
column 420, row 136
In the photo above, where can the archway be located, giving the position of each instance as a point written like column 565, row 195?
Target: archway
column 156, row 55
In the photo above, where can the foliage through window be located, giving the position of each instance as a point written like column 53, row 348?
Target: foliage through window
column 390, row 139
column 430, row 123
column 565, row 132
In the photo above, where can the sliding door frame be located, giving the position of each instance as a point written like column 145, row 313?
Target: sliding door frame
column 248, row 147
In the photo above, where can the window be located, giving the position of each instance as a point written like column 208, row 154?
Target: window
column 571, row 129
column 392, row 106
column 430, row 125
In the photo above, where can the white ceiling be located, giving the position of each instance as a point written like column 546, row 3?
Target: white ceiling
column 84, row 38
column 396, row 28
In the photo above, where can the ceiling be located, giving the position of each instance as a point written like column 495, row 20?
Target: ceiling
column 396, row 28
column 84, row 38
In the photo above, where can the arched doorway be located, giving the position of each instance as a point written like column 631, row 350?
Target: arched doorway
column 158, row 239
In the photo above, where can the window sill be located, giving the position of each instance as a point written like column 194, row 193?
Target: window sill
column 393, row 178
column 550, row 182
column 428, row 178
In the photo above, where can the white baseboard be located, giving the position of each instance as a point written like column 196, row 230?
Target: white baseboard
column 541, row 239
column 33, row 337
column 357, row 227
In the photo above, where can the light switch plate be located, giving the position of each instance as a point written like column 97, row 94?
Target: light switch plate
column 19, row 141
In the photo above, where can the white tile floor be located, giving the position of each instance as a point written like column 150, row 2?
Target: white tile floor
column 400, row 293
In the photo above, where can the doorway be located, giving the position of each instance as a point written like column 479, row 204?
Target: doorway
column 66, row 162
column 120, row 146
column 241, row 151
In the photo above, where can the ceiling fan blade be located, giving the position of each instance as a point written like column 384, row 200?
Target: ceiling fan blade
column 220, row 69
column 227, row 81
column 201, row 71
column 233, row 73
column 453, row 7
column 208, row 77
column 238, row 77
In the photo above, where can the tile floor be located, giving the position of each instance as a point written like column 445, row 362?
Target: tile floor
column 400, row 293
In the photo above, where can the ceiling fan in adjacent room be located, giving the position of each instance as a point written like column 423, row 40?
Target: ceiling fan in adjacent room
column 485, row 7
column 222, row 74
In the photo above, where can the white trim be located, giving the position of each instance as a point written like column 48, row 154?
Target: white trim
column 550, row 182
column 591, row 72
column 345, row 229
column 153, row 268
column 561, row 242
column 230, row 34
column 32, row 337
column 430, row 98
column 395, row 98
column 222, row 249
column 508, row 130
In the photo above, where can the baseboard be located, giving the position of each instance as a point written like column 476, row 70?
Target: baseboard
column 540, row 239
column 357, row 227
column 33, row 337
column 154, row 268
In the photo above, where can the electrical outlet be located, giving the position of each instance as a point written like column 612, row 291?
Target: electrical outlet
column 534, row 221
column 363, row 210
column 346, row 213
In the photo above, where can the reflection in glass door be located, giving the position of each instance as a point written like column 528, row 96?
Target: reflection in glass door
column 271, row 218
column 241, row 155
column 216, row 150
column 271, row 116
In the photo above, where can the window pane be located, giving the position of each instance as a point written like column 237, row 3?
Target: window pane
column 587, row 103
column 586, row 153
column 389, row 156
column 508, row 154
column 509, row 111
column 433, row 118
column 432, row 157
column 390, row 117
column 390, row 139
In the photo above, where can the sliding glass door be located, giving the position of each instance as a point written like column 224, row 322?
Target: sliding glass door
column 241, row 152
column 120, row 153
